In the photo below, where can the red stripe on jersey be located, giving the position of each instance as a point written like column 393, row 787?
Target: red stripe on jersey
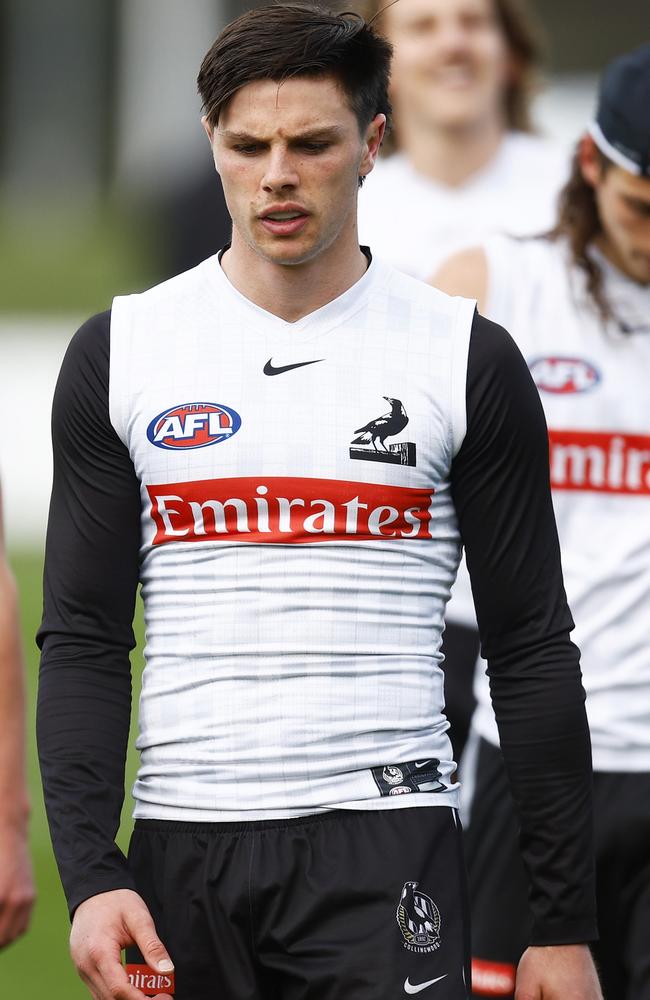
column 148, row 981
column 600, row 462
column 493, row 979
column 281, row 509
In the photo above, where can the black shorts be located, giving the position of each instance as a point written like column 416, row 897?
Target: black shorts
column 340, row 906
column 501, row 920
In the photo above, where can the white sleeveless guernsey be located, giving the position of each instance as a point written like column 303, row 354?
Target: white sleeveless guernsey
column 594, row 384
column 299, row 542
column 416, row 223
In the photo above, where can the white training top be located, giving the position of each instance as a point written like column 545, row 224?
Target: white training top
column 416, row 224
column 202, row 392
column 593, row 382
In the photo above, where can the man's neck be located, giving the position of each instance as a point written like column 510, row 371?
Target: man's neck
column 292, row 291
column 450, row 156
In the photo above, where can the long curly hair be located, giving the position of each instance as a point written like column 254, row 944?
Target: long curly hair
column 579, row 223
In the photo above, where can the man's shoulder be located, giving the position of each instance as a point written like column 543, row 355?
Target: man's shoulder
column 536, row 153
column 421, row 294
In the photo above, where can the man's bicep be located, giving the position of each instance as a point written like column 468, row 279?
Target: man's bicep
column 500, row 483
column 91, row 566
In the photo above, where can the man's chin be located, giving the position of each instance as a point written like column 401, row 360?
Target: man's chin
column 287, row 252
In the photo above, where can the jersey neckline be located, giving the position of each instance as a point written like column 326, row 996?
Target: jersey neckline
column 321, row 320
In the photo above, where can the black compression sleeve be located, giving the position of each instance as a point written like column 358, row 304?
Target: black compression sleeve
column 91, row 576
column 500, row 483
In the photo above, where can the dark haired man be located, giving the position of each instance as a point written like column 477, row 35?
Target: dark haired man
column 270, row 443
column 578, row 303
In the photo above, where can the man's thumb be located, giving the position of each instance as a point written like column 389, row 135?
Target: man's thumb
column 153, row 950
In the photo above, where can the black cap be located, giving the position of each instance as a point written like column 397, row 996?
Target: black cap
column 622, row 126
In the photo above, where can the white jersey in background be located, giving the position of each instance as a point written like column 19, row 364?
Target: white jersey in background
column 593, row 380
column 416, row 223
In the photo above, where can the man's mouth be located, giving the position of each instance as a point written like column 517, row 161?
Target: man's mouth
column 283, row 216
column 285, row 221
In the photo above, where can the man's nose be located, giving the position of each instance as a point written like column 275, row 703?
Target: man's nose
column 280, row 172
column 452, row 37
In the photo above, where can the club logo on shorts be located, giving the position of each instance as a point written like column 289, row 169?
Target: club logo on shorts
column 418, row 918
column 564, row 375
column 392, row 775
column 193, row 425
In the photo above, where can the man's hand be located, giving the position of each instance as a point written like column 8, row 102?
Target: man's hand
column 557, row 972
column 17, row 892
column 102, row 926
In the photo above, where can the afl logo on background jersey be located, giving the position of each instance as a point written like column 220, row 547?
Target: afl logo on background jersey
column 562, row 375
column 193, row 425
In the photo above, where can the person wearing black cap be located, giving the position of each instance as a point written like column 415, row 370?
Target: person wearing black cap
column 578, row 303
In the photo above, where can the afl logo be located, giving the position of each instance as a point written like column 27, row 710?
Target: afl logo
column 563, row 375
column 193, row 425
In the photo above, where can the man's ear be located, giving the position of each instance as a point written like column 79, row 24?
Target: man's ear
column 208, row 127
column 372, row 142
column 589, row 161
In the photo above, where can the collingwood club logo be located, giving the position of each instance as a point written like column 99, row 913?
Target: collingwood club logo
column 370, row 445
column 418, row 918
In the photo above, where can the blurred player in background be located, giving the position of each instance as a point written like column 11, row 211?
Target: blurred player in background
column 16, row 882
column 578, row 304
column 465, row 164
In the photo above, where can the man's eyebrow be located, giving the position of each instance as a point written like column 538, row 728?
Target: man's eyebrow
column 325, row 132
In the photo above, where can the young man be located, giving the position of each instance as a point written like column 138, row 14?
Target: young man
column 223, row 439
column 465, row 162
column 16, row 880
column 578, row 303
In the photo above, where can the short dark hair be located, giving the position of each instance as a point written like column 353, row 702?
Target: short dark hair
column 285, row 40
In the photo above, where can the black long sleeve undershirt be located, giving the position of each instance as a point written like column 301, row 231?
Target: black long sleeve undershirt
column 501, row 491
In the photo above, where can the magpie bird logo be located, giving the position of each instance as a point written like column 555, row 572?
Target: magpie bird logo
column 370, row 445
column 418, row 918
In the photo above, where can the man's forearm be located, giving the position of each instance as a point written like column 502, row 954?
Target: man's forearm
column 82, row 727
column 14, row 800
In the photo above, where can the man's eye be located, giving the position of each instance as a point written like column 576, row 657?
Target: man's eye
column 314, row 147
column 247, row 148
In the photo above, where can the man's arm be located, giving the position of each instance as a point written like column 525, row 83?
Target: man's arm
column 465, row 273
column 500, row 483
column 16, row 882
column 84, row 702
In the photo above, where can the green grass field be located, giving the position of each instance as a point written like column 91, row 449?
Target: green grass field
column 38, row 967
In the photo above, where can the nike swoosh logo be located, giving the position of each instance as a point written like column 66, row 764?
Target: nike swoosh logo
column 421, row 763
column 408, row 988
column 270, row 370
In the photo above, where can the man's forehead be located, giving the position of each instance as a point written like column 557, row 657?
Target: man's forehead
column 300, row 104
column 418, row 9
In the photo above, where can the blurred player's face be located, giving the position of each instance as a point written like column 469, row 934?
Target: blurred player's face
column 623, row 201
column 450, row 64
column 289, row 158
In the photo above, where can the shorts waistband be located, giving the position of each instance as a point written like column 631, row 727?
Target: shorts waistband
column 243, row 826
